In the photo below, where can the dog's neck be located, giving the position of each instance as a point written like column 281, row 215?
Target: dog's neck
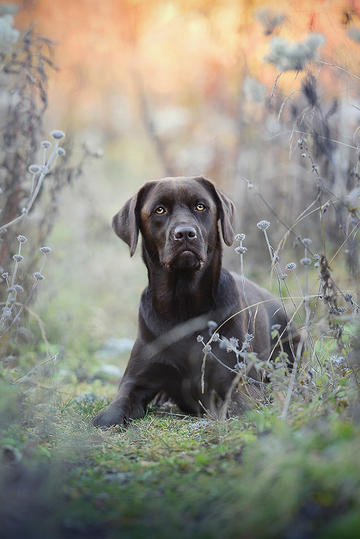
column 183, row 294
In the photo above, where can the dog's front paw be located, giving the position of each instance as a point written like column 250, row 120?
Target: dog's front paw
column 109, row 417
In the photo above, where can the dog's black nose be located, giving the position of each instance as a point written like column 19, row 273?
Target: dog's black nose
column 184, row 233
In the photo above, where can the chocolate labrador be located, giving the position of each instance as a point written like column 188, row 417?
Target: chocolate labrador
column 188, row 293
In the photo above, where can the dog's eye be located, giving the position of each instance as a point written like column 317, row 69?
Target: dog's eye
column 200, row 207
column 159, row 210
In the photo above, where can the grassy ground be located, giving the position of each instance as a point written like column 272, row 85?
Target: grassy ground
column 174, row 476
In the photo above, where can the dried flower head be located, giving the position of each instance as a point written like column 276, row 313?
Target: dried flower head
column 307, row 242
column 291, row 266
column 45, row 250
column 199, row 338
column 348, row 298
column 34, row 169
column 215, row 337
column 46, row 144
column 207, row 349
column 240, row 237
column 38, row 276
column 60, row 151
column 18, row 258
column 263, row 225
column 21, row 238
column 269, row 19
column 6, row 312
column 57, row 134
column 19, row 289
column 306, row 261
column 240, row 249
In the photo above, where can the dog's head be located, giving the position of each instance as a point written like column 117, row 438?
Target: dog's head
column 178, row 219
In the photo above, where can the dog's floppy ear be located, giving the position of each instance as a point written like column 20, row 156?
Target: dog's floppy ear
column 126, row 223
column 226, row 210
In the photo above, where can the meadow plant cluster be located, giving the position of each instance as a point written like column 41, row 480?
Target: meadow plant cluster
column 319, row 290
column 30, row 185
column 13, row 305
column 321, row 372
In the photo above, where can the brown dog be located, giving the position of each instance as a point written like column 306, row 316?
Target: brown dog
column 178, row 219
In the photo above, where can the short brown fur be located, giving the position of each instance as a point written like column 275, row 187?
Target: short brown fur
column 187, row 288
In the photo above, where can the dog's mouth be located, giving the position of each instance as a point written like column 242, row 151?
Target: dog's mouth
column 185, row 260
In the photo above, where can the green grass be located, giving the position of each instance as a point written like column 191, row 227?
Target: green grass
column 169, row 475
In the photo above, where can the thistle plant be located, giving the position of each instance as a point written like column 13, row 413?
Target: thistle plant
column 12, row 308
column 241, row 250
column 263, row 226
column 38, row 174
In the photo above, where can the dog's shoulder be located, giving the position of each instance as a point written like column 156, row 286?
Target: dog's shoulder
column 255, row 295
column 252, row 290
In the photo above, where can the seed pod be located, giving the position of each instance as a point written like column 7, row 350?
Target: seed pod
column 263, row 225
column 57, row 134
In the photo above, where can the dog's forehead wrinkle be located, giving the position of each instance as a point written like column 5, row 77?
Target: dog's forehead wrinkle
column 185, row 190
